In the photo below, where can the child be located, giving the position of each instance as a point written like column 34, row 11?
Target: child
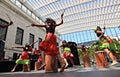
column 23, row 59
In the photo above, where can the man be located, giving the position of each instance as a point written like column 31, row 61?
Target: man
column 107, row 44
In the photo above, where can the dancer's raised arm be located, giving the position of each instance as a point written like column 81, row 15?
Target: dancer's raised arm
column 17, row 47
column 6, row 25
column 38, row 25
column 33, row 43
column 61, row 21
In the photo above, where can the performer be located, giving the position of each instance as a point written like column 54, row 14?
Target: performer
column 67, row 53
column 49, row 44
column 6, row 25
column 38, row 63
column 83, row 48
column 107, row 44
column 24, row 57
column 36, row 52
column 86, row 57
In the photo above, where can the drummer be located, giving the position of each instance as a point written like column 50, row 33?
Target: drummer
column 107, row 44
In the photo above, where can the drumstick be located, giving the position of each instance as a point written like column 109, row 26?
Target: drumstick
column 64, row 10
column 33, row 43
column 28, row 26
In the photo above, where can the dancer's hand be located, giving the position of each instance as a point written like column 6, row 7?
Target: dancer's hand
column 13, row 47
column 104, row 27
column 62, row 15
column 33, row 24
column 11, row 22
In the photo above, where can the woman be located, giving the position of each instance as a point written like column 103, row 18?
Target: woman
column 48, row 46
column 67, row 53
column 86, row 57
column 24, row 57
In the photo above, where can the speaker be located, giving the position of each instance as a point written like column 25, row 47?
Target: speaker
column 15, row 56
column 2, row 45
column 35, row 57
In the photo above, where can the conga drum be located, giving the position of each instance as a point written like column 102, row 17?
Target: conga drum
column 37, row 66
column 25, row 68
column 51, row 64
column 86, row 60
column 101, row 60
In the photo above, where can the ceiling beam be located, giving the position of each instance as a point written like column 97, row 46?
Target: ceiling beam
column 82, row 29
column 46, row 4
column 89, row 9
column 66, row 7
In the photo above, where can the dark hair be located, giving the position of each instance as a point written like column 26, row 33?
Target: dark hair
column 64, row 41
column 26, row 48
column 50, row 20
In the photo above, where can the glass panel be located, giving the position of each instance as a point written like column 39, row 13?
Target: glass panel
column 18, row 4
column 24, row 8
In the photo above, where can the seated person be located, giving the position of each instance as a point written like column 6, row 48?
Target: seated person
column 107, row 44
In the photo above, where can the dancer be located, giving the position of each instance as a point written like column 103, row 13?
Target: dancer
column 83, row 48
column 107, row 43
column 86, row 57
column 24, row 57
column 36, row 52
column 67, row 53
column 38, row 63
column 48, row 46
column 6, row 25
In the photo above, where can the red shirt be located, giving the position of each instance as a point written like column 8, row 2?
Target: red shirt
column 39, row 59
column 36, row 52
column 24, row 55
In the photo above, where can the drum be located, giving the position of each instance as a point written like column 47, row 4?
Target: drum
column 37, row 66
column 51, row 64
column 101, row 60
column 25, row 68
column 86, row 60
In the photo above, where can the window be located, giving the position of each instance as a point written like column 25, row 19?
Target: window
column 31, row 39
column 39, row 41
column 3, row 31
column 19, row 36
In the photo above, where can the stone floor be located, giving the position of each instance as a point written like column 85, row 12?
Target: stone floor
column 70, row 72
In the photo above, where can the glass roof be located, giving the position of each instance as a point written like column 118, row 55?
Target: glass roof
column 80, row 16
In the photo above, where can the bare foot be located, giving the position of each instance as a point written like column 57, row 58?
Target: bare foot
column 42, row 66
column 62, row 67
column 114, row 63
column 13, row 70
column 66, row 65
